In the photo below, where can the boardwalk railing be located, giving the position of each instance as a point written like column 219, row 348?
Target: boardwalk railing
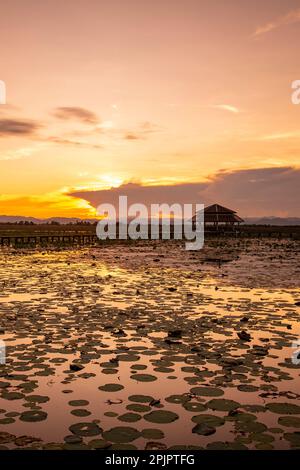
column 36, row 235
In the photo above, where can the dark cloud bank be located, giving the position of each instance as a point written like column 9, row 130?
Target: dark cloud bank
column 257, row 192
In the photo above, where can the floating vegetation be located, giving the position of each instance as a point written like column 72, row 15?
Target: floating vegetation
column 289, row 421
column 223, row 404
column 207, row 391
column 130, row 417
column 152, row 434
column 33, row 416
column 144, row 377
column 209, row 420
column 283, row 408
column 111, row 387
column 85, row 429
column 113, row 337
column 121, row 434
column 161, row 416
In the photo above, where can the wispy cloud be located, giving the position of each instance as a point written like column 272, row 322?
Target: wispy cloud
column 290, row 18
column 226, row 107
column 131, row 136
column 75, row 143
column 76, row 113
column 281, row 136
column 23, row 152
column 142, row 131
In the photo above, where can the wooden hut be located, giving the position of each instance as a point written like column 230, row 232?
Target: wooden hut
column 217, row 218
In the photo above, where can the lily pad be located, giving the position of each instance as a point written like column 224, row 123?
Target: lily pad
column 283, row 408
column 203, row 429
column 241, row 417
column 247, row 388
column 111, row 414
column 85, row 429
column 152, row 434
column 293, row 438
column 130, row 417
column 165, row 370
column 262, row 438
column 178, row 399
column 263, row 446
column 289, row 421
column 109, row 371
column 209, row 420
column 207, row 391
column 141, row 398
column 194, row 406
column 251, row 426
column 80, row 412
column 99, row 444
column 7, row 420
column 254, row 408
column 111, row 387
column 12, row 395
column 161, row 416
column 4, row 384
column 121, row 434
column 37, row 398
column 222, row 404
column 71, row 439
column 78, row 402
column 138, row 408
column 33, row 416
column 122, row 447
column 128, row 357
column 144, row 377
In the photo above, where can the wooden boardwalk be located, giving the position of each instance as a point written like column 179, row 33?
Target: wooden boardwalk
column 47, row 234
column 35, row 240
column 77, row 235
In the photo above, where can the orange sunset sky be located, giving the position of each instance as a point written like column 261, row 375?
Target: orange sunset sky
column 191, row 98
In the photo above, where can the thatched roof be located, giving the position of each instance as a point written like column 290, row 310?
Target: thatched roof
column 220, row 214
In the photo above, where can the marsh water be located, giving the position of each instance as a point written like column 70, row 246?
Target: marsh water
column 146, row 345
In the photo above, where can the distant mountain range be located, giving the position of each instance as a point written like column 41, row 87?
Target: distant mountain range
column 11, row 219
column 271, row 220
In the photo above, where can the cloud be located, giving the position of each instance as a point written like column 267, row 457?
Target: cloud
column 226, row 107
column 142, row 131
column 280, row 136
column 17, row 127
column 169, row 194
column 76, row 113
column 132, row 136
column 290, row 18
column 149, row 127
column 75, row 143
column 23, row 152
column 256, row 192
